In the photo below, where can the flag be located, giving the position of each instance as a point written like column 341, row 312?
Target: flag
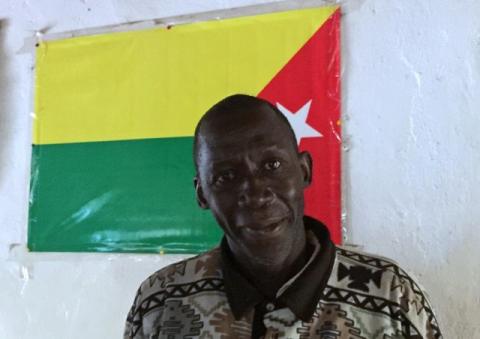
column 115, row 114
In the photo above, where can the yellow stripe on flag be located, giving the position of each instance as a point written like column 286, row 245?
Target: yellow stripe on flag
column 157, row 83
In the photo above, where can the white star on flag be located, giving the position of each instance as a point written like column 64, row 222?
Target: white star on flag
column 298, row 120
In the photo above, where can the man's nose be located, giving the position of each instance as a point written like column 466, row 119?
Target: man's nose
column 255, row 193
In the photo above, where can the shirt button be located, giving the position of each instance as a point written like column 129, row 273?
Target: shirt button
column 270, row 307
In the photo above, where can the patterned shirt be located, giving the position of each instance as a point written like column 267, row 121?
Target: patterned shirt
column 339, row 293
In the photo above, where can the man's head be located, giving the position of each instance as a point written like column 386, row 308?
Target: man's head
column 251, row 176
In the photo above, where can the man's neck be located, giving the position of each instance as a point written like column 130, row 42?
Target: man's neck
column 271, row 274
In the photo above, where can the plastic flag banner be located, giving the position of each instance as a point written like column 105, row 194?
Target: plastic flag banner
column 115, row 113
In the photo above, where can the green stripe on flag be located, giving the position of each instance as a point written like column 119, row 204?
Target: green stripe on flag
column 118, row 196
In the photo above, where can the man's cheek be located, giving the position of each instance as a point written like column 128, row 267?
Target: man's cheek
column 292, row 189
column 222, row 213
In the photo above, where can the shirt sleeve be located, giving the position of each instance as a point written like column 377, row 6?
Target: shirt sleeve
column 421, row 320
column 133, row 322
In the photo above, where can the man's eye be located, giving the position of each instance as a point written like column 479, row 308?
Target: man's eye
column 272, row 165
column 225, row 177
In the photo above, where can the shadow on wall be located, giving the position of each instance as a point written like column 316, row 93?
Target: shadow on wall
column 5, row 110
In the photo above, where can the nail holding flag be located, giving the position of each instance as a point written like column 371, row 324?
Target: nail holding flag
column 115, row 114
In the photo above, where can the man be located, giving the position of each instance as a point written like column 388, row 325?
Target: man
column 276, row 273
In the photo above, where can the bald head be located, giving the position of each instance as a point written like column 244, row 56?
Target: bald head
column 239, row 109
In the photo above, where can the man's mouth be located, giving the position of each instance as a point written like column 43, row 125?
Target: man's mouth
column 268, row 227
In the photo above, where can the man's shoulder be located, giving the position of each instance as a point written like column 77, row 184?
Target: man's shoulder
column 176, row 281
column 380, row 286
column 370, row 273
column 353, row 255
column 205, row 266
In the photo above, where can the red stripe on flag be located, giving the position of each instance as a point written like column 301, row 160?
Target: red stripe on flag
column 314, row 74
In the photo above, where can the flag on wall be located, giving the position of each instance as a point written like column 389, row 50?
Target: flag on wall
column 115, row 114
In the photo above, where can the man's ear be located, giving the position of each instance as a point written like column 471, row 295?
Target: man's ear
column 201, row 201
column 306, row 164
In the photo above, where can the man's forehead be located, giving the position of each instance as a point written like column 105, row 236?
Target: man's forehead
column 251, row 130
column 218, row 151
column 258, row 145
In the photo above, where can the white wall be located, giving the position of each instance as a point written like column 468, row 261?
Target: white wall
column 411, row 105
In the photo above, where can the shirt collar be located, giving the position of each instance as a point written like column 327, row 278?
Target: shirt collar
column 301, row 293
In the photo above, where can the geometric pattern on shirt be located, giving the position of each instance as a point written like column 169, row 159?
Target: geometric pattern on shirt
column 281, row 317
column 225, row 325
column 419, row 301
column 203, row 302
column 370, row 303
column 359, row 276
column 167, row 277
column 157, row 300
column 183, row 322
column 384, row 265
column 343, row 311
column 334, row 324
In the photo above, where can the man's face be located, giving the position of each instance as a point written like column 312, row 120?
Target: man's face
column 252, row 178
